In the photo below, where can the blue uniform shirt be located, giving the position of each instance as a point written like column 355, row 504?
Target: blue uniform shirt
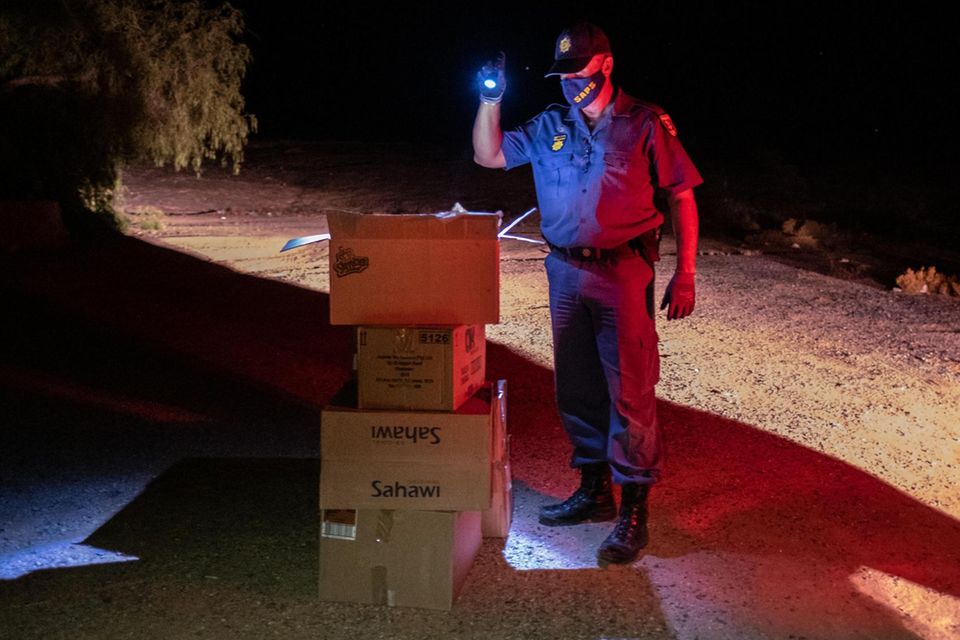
column 596, row 188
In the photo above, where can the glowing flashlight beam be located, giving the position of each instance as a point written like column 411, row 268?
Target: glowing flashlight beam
column 503, row 232
column 489, row 84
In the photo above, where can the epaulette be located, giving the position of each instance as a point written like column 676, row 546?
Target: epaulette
column 656, row 109
column 560, row 109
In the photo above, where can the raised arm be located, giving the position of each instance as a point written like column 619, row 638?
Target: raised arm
column 487, row 136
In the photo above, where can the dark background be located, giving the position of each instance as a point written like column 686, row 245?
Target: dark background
column 811, row 81
column 840, row 112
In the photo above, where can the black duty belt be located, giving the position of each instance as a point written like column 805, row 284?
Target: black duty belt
column 646, row 245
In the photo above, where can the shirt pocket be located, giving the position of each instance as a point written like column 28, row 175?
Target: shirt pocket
column 619, row 172
column 617, row 161
column 559, row 173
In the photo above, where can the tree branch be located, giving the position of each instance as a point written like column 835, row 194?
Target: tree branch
column 47, row 80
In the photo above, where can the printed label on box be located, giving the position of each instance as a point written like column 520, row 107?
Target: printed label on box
column 411, row 368
column 347, row 263
column 340, row 524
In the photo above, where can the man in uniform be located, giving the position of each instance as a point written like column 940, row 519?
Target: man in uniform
column 599, row 165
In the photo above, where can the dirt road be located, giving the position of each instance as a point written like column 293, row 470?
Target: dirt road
column 812, row 424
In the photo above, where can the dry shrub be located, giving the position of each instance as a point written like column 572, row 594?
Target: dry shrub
column 928, row 280
column 147, row 218
column 809, row 233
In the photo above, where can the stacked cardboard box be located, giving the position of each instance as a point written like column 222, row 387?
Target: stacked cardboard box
column 414, row 456
column 419, row 368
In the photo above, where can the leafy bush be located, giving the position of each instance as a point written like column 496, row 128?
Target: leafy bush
column 89, row 85
column 928, row 280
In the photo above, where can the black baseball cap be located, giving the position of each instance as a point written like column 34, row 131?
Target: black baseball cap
column 576, row 46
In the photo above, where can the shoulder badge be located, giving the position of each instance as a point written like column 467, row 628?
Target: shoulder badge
column 668, row 124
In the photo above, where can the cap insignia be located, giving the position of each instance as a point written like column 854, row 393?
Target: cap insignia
column 565, row 44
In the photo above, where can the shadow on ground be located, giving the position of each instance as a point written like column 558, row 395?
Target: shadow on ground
column 167, row 409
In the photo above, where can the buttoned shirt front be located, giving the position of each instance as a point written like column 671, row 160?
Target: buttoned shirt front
column 597, row 188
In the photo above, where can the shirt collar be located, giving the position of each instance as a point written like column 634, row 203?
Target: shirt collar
column 622, row 104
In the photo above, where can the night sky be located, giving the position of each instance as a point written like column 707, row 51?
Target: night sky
column 809, row 81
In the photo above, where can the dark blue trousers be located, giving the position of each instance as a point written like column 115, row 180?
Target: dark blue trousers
column 606, row 363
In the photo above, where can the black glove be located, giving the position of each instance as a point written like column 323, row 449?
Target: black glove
column 491, row 80
column 679, row 296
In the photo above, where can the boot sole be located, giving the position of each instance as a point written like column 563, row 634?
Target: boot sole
column 603, row 561
column 595, row 517
column 610, row 557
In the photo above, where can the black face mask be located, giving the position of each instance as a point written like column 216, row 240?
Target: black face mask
column 580, row 92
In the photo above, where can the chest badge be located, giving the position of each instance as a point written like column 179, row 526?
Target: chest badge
column 558, row 141
column 668, row 124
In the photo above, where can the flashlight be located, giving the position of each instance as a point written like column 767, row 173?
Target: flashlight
column 491, row 81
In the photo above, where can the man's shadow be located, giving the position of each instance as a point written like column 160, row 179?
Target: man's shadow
column 133, row 357
column 773, row 523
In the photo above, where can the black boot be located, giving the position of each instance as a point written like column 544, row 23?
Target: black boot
column 630, row 535
column 592, row 502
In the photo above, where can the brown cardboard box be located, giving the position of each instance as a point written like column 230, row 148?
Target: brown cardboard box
column 376, row 459
column 495, row 521
column 425, row 269
column 397, row 558
column 419, row 368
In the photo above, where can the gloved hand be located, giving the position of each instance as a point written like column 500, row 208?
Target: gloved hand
column 492, row 71
column 680, row 296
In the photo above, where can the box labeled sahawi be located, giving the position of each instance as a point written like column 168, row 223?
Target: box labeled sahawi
column 421, row 269
column 396, row 558
column 419, row 368
column 434, row 460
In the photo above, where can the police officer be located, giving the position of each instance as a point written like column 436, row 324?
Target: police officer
column 599, row 165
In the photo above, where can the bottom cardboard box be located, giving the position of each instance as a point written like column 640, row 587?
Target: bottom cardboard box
column 397, row 558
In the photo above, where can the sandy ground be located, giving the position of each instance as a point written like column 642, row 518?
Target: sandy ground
column 166, row 446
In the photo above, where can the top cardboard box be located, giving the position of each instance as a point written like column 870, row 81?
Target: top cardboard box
column 414, row 269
